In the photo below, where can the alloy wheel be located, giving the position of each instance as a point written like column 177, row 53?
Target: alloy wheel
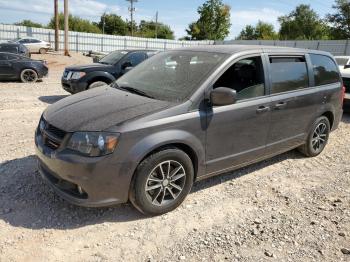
column 29, row 75
column 319, row 137
column 165, row 183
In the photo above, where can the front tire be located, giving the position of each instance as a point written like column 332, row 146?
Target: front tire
column 42, row 51
column 162, row 182
column 317, row 138
column 97, row 84
column 29, row 76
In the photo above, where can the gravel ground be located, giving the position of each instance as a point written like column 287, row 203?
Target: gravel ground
column 289, row 208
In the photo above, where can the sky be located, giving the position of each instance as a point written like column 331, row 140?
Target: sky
column 176, row 13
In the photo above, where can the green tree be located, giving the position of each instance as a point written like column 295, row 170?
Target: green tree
column 265, row 31
column 262, row 31
column 148, row 29
column 75, row 24
column 340, row 20
column 213, row 23
column 29, row 23
column 248, row 33
column 113, row 24
column 302, row 23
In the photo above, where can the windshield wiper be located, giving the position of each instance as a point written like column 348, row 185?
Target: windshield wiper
column 133, row 90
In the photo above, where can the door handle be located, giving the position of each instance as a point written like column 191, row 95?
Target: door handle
column 280, row 105
column 263, row 109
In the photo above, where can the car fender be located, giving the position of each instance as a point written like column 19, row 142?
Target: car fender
column 99, row 74
column 325, row 108
column 162, row 139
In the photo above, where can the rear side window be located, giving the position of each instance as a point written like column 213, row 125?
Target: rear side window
column 325, row 70
column 288, row 74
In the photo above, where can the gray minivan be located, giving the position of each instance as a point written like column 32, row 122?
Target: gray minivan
column 185, row 115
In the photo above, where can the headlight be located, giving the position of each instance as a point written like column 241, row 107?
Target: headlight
column 77, row 75
column 93, row 143
column 42, row 124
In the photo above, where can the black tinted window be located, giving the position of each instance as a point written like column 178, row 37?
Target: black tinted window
column 246, row 77
column 325, row 70
column 136, row 58
column 288, row 74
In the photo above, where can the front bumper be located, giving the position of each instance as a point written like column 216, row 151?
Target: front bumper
column 73, row 86
column 98, row 178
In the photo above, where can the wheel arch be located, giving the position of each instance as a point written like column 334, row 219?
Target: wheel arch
column 156, row 142
column 330, row 116
column 100, row 76
column 26, row 68
column 188, row 150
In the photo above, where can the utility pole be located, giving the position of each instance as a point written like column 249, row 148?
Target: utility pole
column 157, row 25
column 104, row 23
column 56, row 26
column 66, row 28
column 132, row 10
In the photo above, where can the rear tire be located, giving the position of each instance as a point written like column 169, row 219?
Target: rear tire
column 29, row 76
column 97, row 84
column 317, row 138
column 42, row 51
column 162, row 181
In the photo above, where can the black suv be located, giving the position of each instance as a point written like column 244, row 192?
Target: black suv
column 15, row 49
column 79, row 78
column 185, row 115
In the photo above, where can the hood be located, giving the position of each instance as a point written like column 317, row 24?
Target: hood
column 98, row 109
column 91, row 67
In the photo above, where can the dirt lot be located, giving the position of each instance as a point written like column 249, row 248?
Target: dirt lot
column 288, row 208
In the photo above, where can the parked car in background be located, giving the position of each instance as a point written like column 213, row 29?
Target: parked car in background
column 16, row 67
column 186, row 115
column 344, row 67
column 80, row 78
column 34, row 45
column 14, row 48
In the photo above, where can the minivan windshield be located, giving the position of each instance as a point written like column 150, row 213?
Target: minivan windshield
column 171, row 76
column 113, row 57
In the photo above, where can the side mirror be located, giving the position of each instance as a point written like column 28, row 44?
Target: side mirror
column 223, row 96
column 126, row 65
column 346, row 66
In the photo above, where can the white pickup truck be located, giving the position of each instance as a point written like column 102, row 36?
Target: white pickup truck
column 344, row 67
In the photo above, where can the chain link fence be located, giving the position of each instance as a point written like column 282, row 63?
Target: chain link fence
column 83, row 42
